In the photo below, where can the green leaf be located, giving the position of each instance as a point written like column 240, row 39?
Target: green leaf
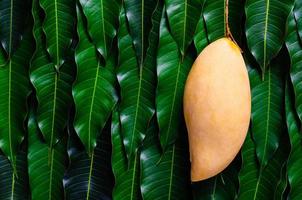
column 223, row 186
column 183, row 16
column 265, row 28
column 127, row 175
column 214, row 16
column 267, row 109
column 137, row 85
column 53, row 88
column 89, row 177
column 13, row 15
column 297, row 11
column 258, row 182
column 93, row 91
column 14, row 186
column 164, row 176
column 280, row 191
column 172, row 73
column 102, row 17
column 45, row 171
column 58, row 27
column 294, row 47
column 139, row 16
column 295, row 160
column 200, row 38
column 14, row 87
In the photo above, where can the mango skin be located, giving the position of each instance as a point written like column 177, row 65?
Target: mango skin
column 217, row 108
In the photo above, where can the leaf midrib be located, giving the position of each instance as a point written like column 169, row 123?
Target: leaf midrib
column 171, row 172
column 103, row 27
column 51, row 174
column 265, row 35
column 57, row 34
column 54, row 110
column 184, row 28
column 89, row 177
column 133, row 177
column 92, row 106
column 11, row 27
column 173, row 101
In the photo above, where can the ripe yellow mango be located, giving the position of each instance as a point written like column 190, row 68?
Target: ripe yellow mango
column 217, row 108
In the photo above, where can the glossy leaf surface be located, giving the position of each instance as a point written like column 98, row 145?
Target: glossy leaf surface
column 164, row 176
column 139, row 16
column 171, row 74
column 58, row 27
column 13, row 15
column 93, row 91
column 137, row 86
column 265, row 28
column 14, row 87
column 267, row 109
column 294, row 47
column 294, row 160
column 102, row 17
column 183, row 16
column 53, row 88
column 126, row 173
column 14, row 185
column 89, row 177
column 45, row 167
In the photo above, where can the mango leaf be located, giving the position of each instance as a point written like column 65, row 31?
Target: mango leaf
column 13, row 15
column 126, row 173
column 172, row 72
column 295, row 160
column 222, row 186
column 200, row 38
column 294, row 47
column 297, row 15
column 183, row 16
column 89, row 177
column 45, row 173
column 164, row 176
column 214, row 16
column 137, row 85
column 53, row 88
column 102, row 17
column 14, row 186
column 14, row 87
column 93, row 91
column 280, row 191
column 139, row 16
column 58, row 27
column 268, row 107
column 256, row 182
column 265, row 28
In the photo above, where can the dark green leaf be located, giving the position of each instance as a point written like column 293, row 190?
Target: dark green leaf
column 58, row 27
column 294, row 165
column 14, row 87
column 258, row 182
column 265, row 28
column 137, row 85
column 183, row 16
column 53, row 88
column 89, row 177
column 164, row 176
column 14, row 186
column 102, row 17
column 171, row 73
column 13, row 15
column 200, row 38
column 93, row 91
column 267, row 109
column 221, row 187
column 294, row 47
column 127, row 174
column 139, row 14
column 298, row 14
column 214, row 16
column 45, row 167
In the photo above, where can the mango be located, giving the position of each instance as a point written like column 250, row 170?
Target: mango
column 217, row 108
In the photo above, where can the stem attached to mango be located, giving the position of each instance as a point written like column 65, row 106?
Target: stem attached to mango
column 228, row 32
